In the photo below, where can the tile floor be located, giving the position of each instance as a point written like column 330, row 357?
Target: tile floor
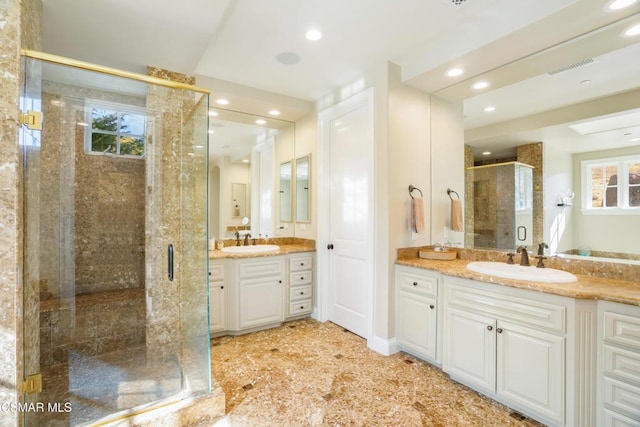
column 307, row 373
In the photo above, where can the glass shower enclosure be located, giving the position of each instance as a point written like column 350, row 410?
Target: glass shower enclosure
column 115, row 242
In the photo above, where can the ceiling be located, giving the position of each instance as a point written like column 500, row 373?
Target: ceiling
column 232, row 45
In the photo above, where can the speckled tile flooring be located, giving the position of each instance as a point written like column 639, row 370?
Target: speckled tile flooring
column 307, row 373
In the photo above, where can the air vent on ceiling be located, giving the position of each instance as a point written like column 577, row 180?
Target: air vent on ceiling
column 573, row 66
column 458, row 2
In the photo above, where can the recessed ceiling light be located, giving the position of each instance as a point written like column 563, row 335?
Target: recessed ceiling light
column 486, row 153
column 632, row 31
column 480, row 85
column 222, row 101
column 585, row 82
column 313, row 35
column 634, row 139
column 260, row 122
column 245, row 161
column 455, row 72
column 213, row 113
column 489, row 108
column 288, row 58
column 619, row 4
column 274, row 113
column 212, row 131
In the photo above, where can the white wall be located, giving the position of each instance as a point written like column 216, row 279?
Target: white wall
column 284, row 152
column 558, row 180
column 447, row 167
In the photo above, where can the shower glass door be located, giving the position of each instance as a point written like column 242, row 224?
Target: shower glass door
column 115, row 244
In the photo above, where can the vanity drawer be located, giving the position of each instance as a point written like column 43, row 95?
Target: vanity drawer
column 299, row 307
column 508, row 307
column 622, row 397
column 300, row 278
column 259, row 268
column 415, row 282
column 216, row 272
column 622, row 329
column 622, row 363
column 300, row 292
column 300, row 263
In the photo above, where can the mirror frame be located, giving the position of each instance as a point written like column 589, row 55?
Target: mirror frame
column 242, row 209
column 302, row 200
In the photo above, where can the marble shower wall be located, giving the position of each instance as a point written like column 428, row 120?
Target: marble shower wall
column 532, row 155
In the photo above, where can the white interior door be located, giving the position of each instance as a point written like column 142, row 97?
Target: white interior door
column 348, row 135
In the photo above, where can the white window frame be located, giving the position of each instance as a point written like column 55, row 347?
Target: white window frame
column 120, row 109
column 622, row 164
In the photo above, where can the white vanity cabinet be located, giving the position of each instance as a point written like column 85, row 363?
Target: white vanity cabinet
column 619, row 364
column 513, row 345
column 217, row 300
column 417, row 312
column 300, row 286
column 260, row 291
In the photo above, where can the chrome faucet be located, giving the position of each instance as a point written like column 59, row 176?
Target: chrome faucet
column 246, row 239
column 524, row 256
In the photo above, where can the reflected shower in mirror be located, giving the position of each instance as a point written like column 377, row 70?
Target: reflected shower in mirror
column 303, row 196
column 285, row 192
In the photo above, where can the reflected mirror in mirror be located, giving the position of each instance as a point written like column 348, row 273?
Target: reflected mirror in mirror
column 238, row 200
column 285, row 192
column 579, row 100
column 246, row 150
column 303, row 194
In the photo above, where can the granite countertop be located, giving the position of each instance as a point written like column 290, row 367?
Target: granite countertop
column 284, row 250
column 587, row 287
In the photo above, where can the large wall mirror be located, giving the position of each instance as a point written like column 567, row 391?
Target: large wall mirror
column 248, row 157
column 580, row 103
column 303, row 189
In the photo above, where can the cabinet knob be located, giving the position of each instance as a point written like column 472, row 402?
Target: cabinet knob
column 221, row 287
column 302, row 263
column 279, row 281
column 301, row 277
column 432, row 306
column 499, row 330
column 302, row 307
column 415, row 283
column 302, row 293
column 489, row 328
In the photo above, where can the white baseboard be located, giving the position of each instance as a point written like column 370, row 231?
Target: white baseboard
column 386, row 347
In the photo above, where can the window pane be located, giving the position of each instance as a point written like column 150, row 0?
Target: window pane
column 597, row 187
column 612, row 186
column 634, row 196
column 131, row 145
column 133, row 124
column 103, row 143
column 102, row 119
column 634, row 173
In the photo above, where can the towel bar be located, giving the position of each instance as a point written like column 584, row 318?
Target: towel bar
column 411, row 188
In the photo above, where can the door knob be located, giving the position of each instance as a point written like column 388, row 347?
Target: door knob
column 330, row 246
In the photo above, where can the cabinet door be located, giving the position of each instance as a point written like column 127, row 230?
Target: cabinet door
column 530, row 369
column 470, row 350
column 217, row 307
column 417, row 324
column 261, row 302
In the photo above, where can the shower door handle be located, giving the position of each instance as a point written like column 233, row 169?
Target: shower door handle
column 170, row 262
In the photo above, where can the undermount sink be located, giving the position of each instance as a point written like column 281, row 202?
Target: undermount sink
column 519, row 272
column 251, row 249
